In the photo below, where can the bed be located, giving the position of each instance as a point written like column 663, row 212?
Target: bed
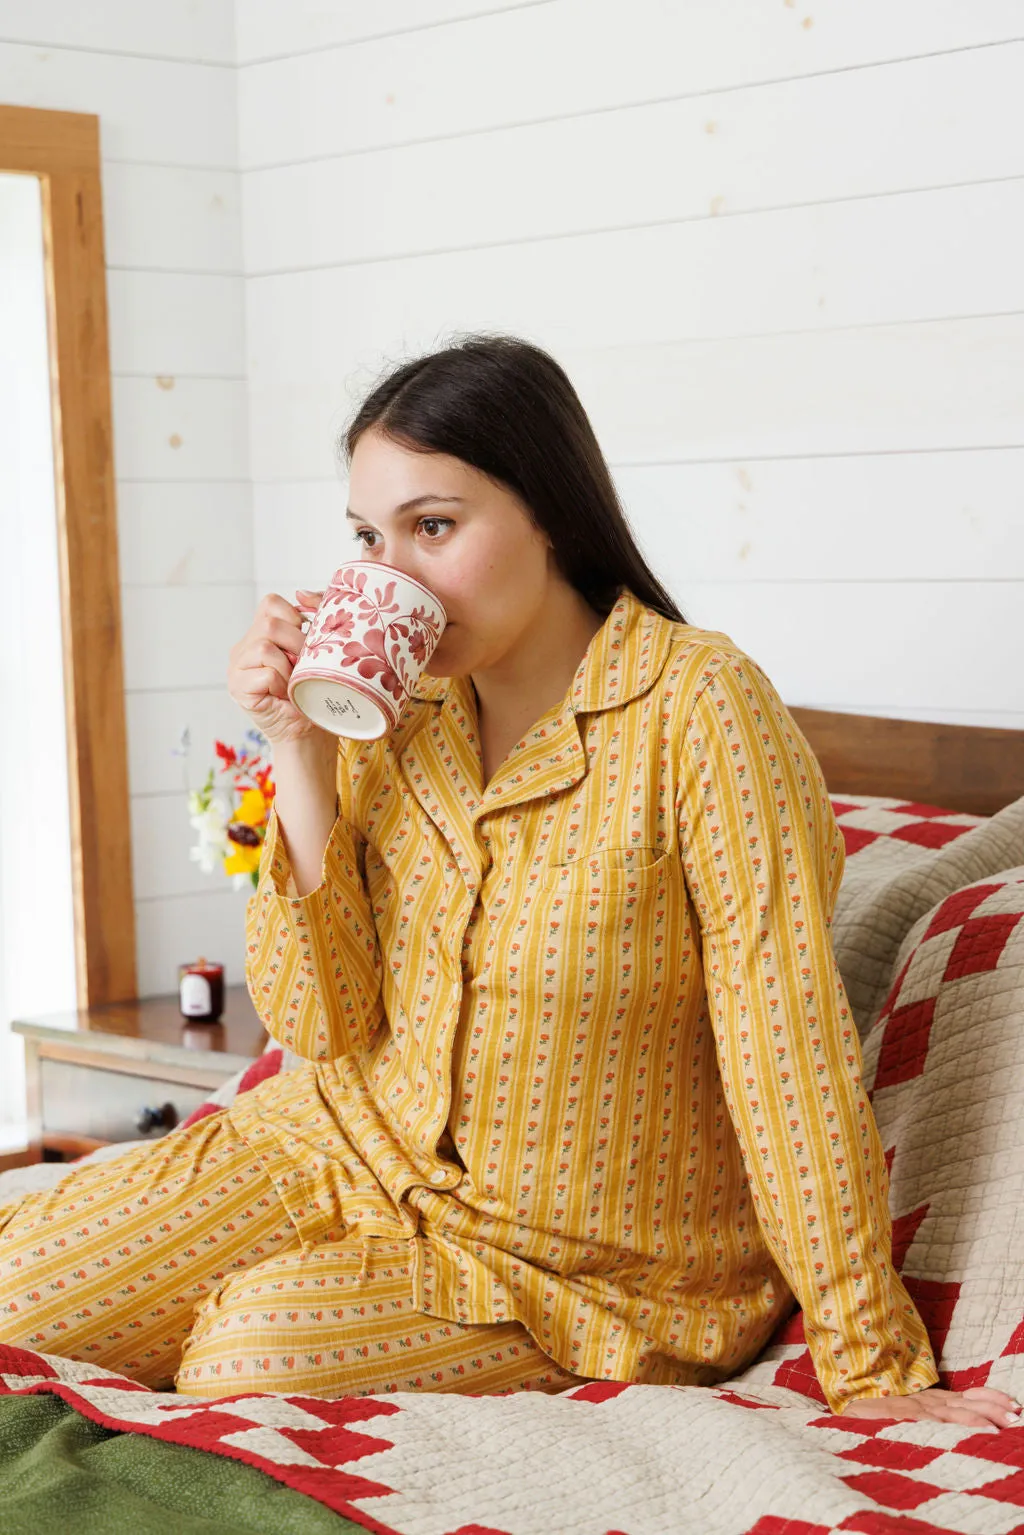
column 929, row 937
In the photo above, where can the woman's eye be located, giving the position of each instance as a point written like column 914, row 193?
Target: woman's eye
column 433, row 523
column 361, row 539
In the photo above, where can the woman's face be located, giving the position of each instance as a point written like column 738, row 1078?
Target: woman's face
column 469, row 540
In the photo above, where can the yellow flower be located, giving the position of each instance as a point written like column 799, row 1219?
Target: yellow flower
column 242, row 860
column 253, row 809
column 251, row 812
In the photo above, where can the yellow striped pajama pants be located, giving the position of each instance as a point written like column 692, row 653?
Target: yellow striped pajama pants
column 177, row 1264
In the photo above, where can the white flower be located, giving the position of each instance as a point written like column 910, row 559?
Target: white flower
column 211, row 824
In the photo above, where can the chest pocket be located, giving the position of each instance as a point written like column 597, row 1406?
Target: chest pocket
column 611, row 870
column 607, row 928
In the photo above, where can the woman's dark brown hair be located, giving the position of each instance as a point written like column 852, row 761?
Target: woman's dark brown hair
column 505, row 406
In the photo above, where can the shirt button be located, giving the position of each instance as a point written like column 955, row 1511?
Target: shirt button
column 439, row 1176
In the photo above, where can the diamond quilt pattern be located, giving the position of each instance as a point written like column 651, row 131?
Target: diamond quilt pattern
column 902, row 859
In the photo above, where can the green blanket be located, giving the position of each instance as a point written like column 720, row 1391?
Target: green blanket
column 61, row 1474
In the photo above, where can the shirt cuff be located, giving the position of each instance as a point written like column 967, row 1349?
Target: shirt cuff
column 276, row 865
column 916, row 1376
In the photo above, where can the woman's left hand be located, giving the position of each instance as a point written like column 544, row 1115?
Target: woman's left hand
column 981, row 1406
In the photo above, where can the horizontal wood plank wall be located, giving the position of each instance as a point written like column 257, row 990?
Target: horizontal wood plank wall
column 775, row 248
column 162, row 80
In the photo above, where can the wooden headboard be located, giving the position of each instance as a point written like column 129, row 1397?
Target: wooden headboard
column 961, row 767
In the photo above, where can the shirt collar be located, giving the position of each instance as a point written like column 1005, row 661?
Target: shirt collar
column 624, row 658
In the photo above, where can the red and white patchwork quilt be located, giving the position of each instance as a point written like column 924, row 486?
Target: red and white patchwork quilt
column 744, row 1459
column 903, row 858
column 761, row 1454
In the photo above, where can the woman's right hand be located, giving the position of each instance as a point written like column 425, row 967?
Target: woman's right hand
column 261, row 664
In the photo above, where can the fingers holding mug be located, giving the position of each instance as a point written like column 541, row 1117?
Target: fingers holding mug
column 261, row 664
column 308, row 602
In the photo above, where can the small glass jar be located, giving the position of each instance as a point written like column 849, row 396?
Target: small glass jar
column 201, row 991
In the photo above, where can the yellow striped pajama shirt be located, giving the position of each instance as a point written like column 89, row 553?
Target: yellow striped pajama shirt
column 579, row 1033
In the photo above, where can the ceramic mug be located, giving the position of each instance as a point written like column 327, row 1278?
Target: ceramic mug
column 365, row 649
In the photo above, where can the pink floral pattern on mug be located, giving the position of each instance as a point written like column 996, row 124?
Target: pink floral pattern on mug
column 361, row 623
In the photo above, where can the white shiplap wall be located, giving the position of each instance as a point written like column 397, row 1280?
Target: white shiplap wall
column 163, row 81
column 776, row 246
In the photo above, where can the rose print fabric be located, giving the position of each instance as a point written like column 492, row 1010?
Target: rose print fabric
column 577, row 1036
column 343, row 1321
column 177, row 1265
column 109, row 1265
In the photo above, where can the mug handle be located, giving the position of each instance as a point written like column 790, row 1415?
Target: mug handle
column 310, row 613
column 305, row 608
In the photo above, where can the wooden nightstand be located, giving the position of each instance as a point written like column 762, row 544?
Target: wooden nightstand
column 91, row 1076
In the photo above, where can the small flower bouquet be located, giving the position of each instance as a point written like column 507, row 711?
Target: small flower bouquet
column 232, row 823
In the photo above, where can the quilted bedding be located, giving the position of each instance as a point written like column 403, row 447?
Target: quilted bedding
column 930, row 938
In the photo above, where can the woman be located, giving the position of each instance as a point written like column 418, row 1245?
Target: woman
column 583, row 1098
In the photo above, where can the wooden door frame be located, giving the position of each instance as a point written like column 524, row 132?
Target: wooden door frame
column 62, row 149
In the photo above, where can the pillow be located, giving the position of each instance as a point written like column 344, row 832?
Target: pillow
column 901, row 858
column 273, row 1059
column 942, row 1066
